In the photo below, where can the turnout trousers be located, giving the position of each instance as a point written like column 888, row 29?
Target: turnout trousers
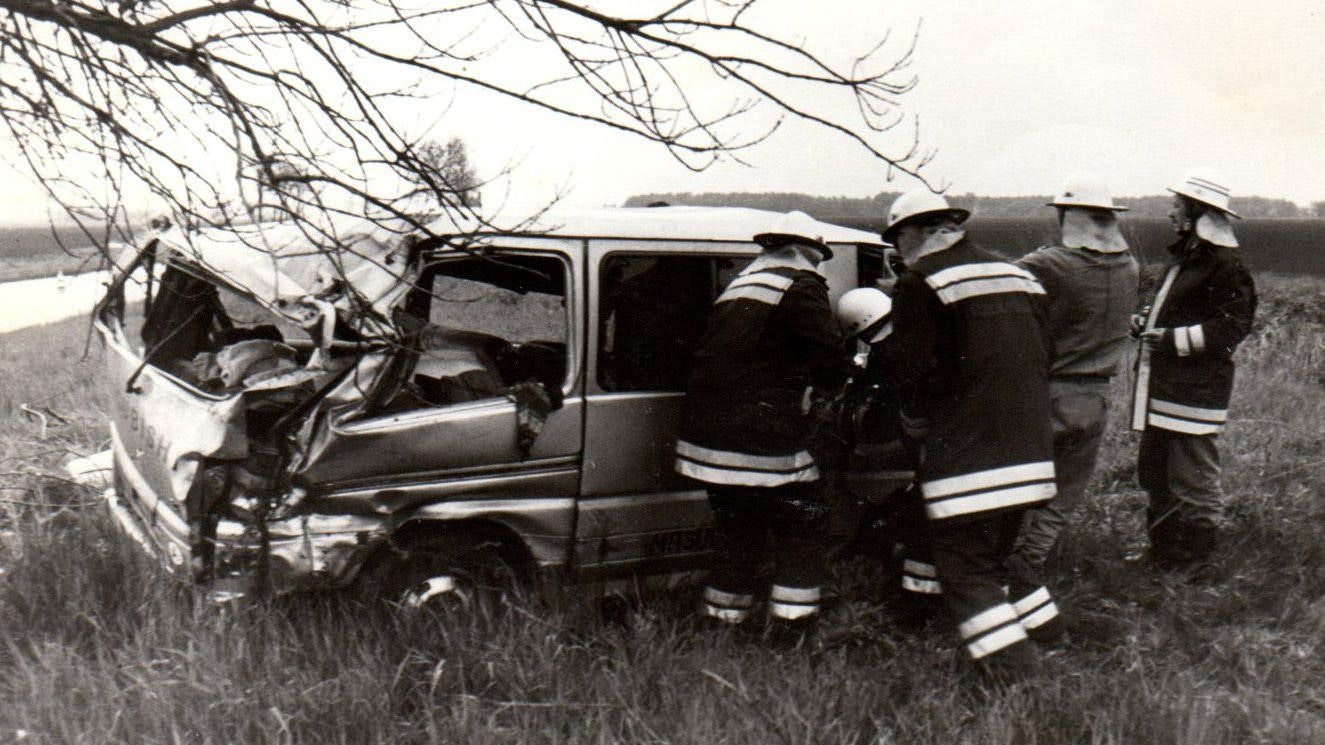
column 1079, row 410
column 1180, row 472
column 967, row 564
column 796, row 519
column 995, row 610
column 920, row 577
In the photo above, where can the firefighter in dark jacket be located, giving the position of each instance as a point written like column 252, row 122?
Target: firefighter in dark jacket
column 866, row 314
column 770, row 341
column 1200, row 313
column 970, row 355
column 1091, row 281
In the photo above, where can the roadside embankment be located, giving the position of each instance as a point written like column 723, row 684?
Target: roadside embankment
column 36, row 302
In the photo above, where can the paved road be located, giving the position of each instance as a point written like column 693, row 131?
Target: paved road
column 35, row 302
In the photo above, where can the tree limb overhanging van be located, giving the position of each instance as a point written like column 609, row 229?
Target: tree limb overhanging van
column 300, row 412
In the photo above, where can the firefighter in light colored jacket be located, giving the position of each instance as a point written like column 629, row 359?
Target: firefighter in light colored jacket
column 1091, row 280
column 1201, row 312
column 745, row 426
column 970, row 354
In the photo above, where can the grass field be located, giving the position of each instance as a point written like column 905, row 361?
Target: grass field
column 97, row 648
column 27, row 252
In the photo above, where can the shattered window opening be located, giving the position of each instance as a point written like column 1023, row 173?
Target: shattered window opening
column 216, row 340
column 496, row 327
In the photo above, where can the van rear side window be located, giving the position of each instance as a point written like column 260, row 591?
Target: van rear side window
column 653, row 313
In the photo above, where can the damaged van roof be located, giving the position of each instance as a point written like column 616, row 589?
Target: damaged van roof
column 278, row 262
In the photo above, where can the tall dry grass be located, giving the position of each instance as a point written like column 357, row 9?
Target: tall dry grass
column 97, row 647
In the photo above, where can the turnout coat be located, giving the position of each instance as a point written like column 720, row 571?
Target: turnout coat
column 1205, row 303
column 771, row 336
column 970, row 355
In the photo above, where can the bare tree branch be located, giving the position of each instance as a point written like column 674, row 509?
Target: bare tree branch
column 227, row 112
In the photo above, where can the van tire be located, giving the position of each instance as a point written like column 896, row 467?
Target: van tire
column 452, row 573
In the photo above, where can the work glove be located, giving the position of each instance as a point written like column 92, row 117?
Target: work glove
column 1153, row 339
column 1139, row 322
column 823, row 409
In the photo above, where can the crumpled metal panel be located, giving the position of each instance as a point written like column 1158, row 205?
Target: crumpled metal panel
column 280, row 263
column 166, row 428
column 310, row 552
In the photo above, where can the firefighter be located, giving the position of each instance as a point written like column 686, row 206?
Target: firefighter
column 970, row 355
column 1201, row 311
column 1091, row 280
column 866, row 314
column 770, row 341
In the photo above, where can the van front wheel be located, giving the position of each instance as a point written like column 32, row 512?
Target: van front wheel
column 445, row 574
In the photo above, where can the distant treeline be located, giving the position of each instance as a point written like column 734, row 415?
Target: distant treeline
column 874, row 207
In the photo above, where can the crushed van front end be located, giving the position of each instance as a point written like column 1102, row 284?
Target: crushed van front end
column 304, row 552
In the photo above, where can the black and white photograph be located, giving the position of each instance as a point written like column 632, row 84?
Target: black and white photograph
column 662, row 371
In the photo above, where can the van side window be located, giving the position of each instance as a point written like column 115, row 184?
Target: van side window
column 653, row 310
column 493, row 323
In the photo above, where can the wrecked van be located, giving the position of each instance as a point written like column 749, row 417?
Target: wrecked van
column 411, row 414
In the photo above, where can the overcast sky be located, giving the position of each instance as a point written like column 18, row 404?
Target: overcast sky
column 1013, row 96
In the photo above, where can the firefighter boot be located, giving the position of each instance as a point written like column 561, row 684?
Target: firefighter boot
column 1166, row 551
column 917, row 612
column 1199, row 540
column 1036, row 610
column 1017, row 663
column 787, row 636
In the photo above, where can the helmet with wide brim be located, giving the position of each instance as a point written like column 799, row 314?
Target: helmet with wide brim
column 777, row 240
column 957, row 214
column 1207, row 187
column 1085, row 190
column 919, row 204
column 795, row 229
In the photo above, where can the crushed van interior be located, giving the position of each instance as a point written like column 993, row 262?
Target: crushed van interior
column 273, row 374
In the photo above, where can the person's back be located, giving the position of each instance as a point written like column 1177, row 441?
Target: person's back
column 1090, row 279
column 970, row 355
column 744, row 431
column 985, row 391
column 1092, row 296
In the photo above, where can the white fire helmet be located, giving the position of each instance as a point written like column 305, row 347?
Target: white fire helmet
column 862, row 308
column 1206, row 187
column 795, row 228
column 1085, row 189
column 916, row 203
